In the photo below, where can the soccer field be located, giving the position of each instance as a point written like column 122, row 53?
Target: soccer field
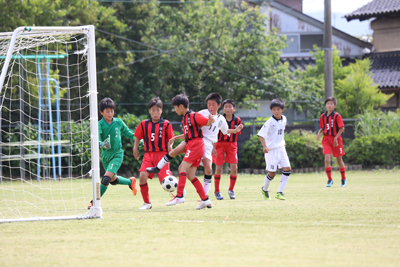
column 316, row 226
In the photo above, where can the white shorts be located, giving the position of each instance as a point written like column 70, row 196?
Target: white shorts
column 208, row 148
column 276, row 158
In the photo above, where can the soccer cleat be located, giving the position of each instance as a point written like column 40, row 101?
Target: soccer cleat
column 90, row 204
column 231, row 194
column 132, row 186
column 204, row 203
column 344, row 182
column 280, row 196
column 265, row 194
column 330, row 182
column 152, row 169
column 175, row 200
column 218, row 196
column 146, row 206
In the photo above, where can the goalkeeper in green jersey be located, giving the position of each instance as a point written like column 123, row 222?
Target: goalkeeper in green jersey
column 110, row 131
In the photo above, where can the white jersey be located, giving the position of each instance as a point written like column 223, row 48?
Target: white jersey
column 273, row 132
column 211, row 132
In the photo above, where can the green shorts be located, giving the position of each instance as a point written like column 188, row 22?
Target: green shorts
column 112, row 161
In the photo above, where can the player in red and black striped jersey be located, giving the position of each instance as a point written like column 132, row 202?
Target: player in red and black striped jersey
column 191, row 124
column 331, row 124
column 155, row 132
column 226, row 149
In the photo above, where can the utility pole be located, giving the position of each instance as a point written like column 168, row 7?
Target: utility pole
column 328, row 50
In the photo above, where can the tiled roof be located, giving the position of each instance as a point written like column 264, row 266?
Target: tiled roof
column 386, row 69
column 376, row 8
column 299, row 63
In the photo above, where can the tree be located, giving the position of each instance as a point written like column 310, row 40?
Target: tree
column 358, row 92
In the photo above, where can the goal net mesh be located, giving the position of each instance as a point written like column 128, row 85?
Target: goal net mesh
column 45, row 140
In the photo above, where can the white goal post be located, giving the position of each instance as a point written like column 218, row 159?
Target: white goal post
column 49, row 148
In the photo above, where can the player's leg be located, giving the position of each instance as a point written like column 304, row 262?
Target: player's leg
column 219, row 162
column 144, row 190
column 207, row 163
column 205, row 201
column 271, row 168
column 207, row 174
column 286, row 171
column 180, row 197
column 113, row 167
column 180, row 149
column 342, row 170
column 217, row 181
column 338, row 153
column 231, row 158
column 232, row 180
column 327, row 149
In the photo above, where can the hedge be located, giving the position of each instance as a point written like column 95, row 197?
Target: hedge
column 383, row 149
column 302, row 147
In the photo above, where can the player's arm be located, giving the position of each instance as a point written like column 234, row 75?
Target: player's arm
column 135, row 148
column 169, row 131
column 335, row 142
column 125, row 131
column 321, row 127
column 172, row 140
column 265, row 148
column 238, row 129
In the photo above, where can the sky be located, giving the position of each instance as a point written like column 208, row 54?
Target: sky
column 315, row 9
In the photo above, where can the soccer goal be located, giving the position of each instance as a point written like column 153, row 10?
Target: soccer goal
column 49, row 152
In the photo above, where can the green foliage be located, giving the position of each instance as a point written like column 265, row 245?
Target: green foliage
column 304, row 150
column 377, row 122
column 302, row 147
column 382, row 149
column 358, row 92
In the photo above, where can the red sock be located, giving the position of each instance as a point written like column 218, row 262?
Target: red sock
column 342, row 173
column 233, row 182
column 181, row 184
column 217, row 180
column 329, row 172
column 199, row 188
column 144, row 189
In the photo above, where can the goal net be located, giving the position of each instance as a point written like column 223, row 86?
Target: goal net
column 49, row 154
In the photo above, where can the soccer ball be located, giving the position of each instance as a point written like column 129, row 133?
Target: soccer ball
column 170, row 183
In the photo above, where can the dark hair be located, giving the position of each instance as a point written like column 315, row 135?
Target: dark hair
column 214, row 96
column 106, row 103
column 330, row 99
column 155, row 101
column 228, row 101
column 277, row 102
column 180, row 99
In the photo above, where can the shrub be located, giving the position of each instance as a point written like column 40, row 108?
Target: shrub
column 383, row 149
column 377, row 122
column 302, row 147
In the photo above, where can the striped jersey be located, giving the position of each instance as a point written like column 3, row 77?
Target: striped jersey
column 331, row 124
column 233, row 124
column 273, row 131
column 191, row 125
column 211, row 132
column 115, row 129
column 155, row 135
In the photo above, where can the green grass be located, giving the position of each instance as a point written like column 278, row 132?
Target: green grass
column 316, row 226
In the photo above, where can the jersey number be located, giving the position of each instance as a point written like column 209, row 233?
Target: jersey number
column 212, row 129
column 152, row 136
column 280, row 131
column 187, row 154
column 327, row 126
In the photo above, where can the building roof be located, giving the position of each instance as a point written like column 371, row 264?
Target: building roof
column 302, row 63
column 376, row 8
column 310, row 20
column 386, row 69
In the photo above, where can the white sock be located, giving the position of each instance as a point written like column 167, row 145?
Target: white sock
column 207, row 185
column 284, row 180
column 163, row 161
column 267, row 182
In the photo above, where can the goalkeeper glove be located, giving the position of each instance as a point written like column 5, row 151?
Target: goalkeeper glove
column 106, row 143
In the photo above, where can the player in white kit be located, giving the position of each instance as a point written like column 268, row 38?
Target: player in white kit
column 273, row 142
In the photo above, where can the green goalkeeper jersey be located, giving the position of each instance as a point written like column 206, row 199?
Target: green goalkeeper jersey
column 114, row 130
